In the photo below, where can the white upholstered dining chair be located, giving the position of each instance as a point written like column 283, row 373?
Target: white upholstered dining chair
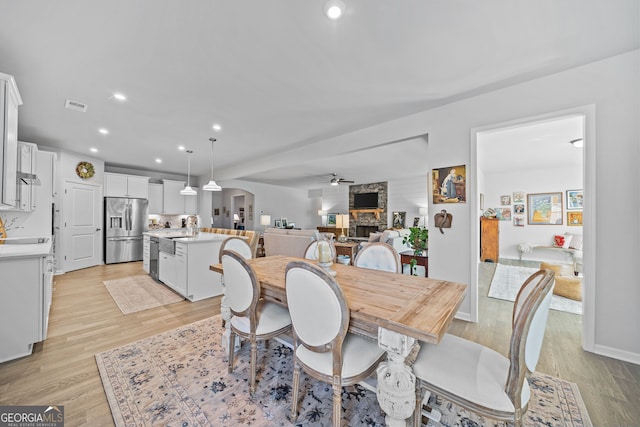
column 242, row 248
column 322, row 346
column 252, row 318
column 480, row 379
column 378, row 256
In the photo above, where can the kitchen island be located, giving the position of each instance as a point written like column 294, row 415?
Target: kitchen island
column 184, row 260
column 26, row 269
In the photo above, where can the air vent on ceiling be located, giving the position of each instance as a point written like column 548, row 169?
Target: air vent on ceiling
column 75, row 105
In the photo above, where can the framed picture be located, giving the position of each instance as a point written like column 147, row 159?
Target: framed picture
column 482, row 201
column 399, row 219
column 574, row 200
column 574, row 218
column 518, row 209
column 416, row 221
column 449, row 185
column 544, row 209
column 216, row 211
column 504, row 214
column 505, row 200
column 331, row 219
column 518, row 221
column 518, row 197
column 284, row 223
column 278, row 223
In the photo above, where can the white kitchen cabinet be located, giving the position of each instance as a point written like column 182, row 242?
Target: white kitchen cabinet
column 173, row 201
column 187, row 272
column 9, row 101
column 146, row 252
column 27, row 163
column 191, row 203
column 155, row 198
column 25, row 302
column 120, row 185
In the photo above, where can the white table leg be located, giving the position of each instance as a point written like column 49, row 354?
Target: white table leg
column 396, row 381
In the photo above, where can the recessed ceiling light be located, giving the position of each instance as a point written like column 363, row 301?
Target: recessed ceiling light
column 181, row 147
column 103, row 131
column 334, row 9
column 119, row 96
column 158, row 160
column 93, row 150
column 217, row 127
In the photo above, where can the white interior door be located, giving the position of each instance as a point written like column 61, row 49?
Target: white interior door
column 82, row 227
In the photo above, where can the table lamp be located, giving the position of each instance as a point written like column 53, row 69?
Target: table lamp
column 322, row 214
column 265, row 220
column 342, row 222
column 423, row 212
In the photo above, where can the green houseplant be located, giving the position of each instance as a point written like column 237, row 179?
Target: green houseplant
column 417, row 238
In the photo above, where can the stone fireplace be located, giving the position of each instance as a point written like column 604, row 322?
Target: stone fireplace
column 365, row 221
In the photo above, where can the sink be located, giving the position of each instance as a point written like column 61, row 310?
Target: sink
column 24, row 240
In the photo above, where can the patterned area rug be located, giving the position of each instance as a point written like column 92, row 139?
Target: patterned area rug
column 508, row 279
column 137, row 293
column 179, row 378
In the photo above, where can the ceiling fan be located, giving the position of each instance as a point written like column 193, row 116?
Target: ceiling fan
column 336, row 181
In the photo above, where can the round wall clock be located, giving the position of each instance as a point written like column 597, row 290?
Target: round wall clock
column 85, row 170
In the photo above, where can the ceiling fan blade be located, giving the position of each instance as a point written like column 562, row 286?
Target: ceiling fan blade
column 346, row 181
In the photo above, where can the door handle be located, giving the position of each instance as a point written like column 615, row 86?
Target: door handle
column 98, row 229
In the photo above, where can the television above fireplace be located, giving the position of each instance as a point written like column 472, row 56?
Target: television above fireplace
column 365, row 200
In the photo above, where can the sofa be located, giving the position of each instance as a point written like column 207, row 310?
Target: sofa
column 390, row 237
column 281, row 241
column 252, row 236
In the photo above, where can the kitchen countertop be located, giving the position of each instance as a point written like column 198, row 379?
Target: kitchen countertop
column 8, row 250
column 183, row 237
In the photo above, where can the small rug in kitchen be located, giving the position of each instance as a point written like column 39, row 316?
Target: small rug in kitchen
column 180, row 377
column 508, row 279
column 137, row 293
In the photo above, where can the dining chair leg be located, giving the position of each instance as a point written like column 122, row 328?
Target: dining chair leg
column 232, row 340
column 337, row 404
column 417, row 412
column 254, row 361
column 294, row 396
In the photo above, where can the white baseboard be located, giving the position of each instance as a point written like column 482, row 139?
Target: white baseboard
column 625, row 356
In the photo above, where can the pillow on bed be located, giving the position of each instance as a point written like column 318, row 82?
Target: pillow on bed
column 576, row 241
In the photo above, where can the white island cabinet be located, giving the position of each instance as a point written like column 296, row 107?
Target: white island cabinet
column 187, row 271
column 25, row 297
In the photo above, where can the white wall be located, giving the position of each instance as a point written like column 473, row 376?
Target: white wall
column 612, row 85
column 531, row 181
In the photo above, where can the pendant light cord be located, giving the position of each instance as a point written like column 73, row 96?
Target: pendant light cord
column 212, row 141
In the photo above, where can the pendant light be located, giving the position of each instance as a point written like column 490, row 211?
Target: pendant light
column 188, row 191
column 211, row 185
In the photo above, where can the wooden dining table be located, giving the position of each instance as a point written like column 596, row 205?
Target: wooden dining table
column 397, row 310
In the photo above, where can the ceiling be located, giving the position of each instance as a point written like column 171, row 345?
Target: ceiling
column 278, row 76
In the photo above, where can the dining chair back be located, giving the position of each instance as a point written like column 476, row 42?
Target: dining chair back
column 323, row 348
column 378, row 256
column 480, row 379
column 237, row 244
column 252, row 318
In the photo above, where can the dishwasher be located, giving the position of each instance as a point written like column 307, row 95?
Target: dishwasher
column 154, row 249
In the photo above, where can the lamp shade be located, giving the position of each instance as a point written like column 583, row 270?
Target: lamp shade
column 321, row 212
column 212, row 186
column 188, row 191
column 338, row 221
column 265, row 219
column 236, row 218
column 345, row 221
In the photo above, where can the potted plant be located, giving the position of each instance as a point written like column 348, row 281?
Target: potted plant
column 417, row 238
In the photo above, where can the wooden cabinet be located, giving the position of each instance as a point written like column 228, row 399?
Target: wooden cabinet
column 489, row 239
column 119, row 185
column 9, row 102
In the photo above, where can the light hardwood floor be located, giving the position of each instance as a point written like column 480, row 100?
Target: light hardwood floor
column 85, row 321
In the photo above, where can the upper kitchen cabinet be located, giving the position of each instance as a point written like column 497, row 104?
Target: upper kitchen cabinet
column 9, row 102
column 174, row 203
column 119, row 185
column 27, row 176
column 155, row 198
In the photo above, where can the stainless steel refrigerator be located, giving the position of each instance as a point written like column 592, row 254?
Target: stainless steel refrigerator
column 125, row 221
